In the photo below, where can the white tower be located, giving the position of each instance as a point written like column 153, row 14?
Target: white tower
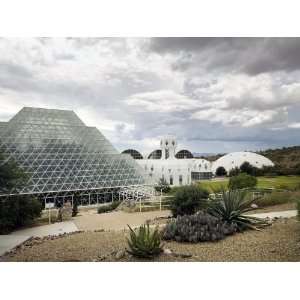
column 168, row 146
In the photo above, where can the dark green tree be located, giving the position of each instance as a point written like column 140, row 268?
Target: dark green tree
column 15, row 210
column 12, row 178
column 221, row 171
column 234, row 172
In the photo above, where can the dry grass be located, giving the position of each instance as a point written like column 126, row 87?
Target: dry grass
column 279, row 242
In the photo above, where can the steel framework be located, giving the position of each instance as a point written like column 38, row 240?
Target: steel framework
column 61, row 156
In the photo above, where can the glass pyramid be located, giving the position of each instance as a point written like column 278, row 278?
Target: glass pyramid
column 60, row 154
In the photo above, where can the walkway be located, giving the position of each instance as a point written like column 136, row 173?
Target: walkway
column 10, row 241
column 277, row 214
column 90, row 220
column 116, row 220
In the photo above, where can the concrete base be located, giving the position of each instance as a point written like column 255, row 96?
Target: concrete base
column 277, row 214
column 52, row 229
column 8, row 242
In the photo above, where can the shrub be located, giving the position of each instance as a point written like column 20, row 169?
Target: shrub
column 75, row 207
column 221, row 171
column 242, row 181
column 298, row 209
column 108, row 207
column 17, row 211
column 188, row 199
column 231, row 209
column 200, row 227
column 144, row 243
column 234, row 172
column 277, row 197
column 163, row 186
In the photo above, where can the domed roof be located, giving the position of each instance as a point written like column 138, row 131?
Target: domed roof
column 236, row 159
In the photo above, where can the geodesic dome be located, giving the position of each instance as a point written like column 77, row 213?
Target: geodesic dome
column 236, row 159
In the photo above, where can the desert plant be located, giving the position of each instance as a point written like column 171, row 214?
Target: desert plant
column 108, row 207
column 144, row 243
column 231, row 208
column 188, row 200
column 199, row 227
column 242, row 181
column 162, row 186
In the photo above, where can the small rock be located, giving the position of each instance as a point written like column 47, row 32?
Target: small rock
column 253, row 205
column 167, row 251
column 120, row 254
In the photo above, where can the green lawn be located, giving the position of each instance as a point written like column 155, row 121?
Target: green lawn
column 279, row 182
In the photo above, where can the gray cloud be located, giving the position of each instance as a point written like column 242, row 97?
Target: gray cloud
column 214, row 94
column 250, row 55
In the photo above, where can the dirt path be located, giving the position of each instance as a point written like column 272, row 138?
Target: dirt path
column 117, row 220
column 279, row 242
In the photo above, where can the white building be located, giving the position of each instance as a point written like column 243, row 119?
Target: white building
column 177, row 168
column 181, row 168
column 236, row 159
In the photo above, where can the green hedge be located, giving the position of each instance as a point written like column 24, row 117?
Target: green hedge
column 188, row 200
column 18, row 211
column 108, row 207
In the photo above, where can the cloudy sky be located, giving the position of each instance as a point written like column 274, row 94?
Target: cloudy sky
column 214, row 94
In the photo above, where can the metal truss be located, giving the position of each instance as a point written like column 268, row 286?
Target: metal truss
column 61, row 155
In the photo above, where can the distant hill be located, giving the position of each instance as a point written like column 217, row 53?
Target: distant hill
column 286, row 157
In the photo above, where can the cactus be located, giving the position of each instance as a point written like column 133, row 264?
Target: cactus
column 144, row 243
column 200, row 227
column 231, row 208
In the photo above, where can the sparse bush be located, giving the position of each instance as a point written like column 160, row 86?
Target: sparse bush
column 277, row 197
column 163, row 186
column 17, row 211
column 231, row 208
column 188, row 200
column 298, row 209
column 108, row 207
column 242, row 181
column 200, row 227
column 144, row 243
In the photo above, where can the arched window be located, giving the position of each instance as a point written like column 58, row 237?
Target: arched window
column 134, row 153
column 156, row 154
column 184, row 154
column 180, row 179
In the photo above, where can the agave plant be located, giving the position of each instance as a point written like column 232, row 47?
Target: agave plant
column 232, row 206
column 144, row 243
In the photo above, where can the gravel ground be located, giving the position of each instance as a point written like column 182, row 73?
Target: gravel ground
column 279, row 207
column 116, row 220
column 279, row 242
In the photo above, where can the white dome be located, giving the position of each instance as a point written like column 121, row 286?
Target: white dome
column 236, row 159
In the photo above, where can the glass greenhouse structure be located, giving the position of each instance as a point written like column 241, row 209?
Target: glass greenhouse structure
column 63, row 157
